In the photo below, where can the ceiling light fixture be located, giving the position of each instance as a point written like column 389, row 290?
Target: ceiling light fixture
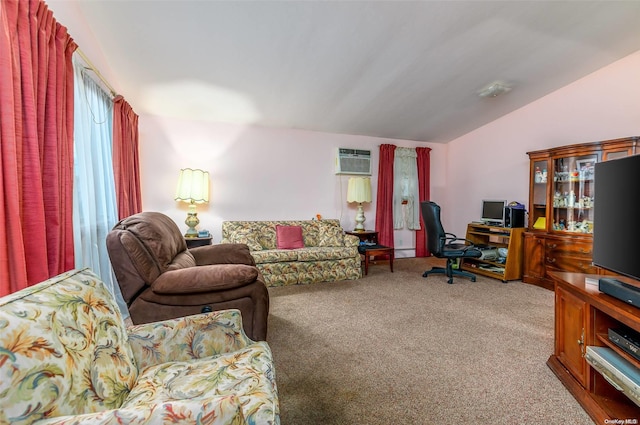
column 494, row 89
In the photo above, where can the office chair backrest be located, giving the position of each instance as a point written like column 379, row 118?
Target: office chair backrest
column 433, row 227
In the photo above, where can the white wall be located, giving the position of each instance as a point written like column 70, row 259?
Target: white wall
column 260, row 173
column 491, row 162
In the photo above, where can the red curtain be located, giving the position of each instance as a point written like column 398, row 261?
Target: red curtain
column 126, row 164
column 384, row 198
column 424, row 172
column 36, row 145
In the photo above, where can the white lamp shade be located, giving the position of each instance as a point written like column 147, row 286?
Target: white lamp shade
column 359, row 189
column 193, row 186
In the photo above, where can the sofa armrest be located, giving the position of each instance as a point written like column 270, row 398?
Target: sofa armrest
column 202, row 279
column 219, row 409
column 351, row 240
column 186, row 338
column 224, row 253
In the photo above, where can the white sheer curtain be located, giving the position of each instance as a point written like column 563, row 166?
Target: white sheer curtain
column 405, row 189
column 94, row 198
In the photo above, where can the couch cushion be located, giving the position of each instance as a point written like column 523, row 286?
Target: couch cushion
column 310, row 231
column 331, row 236
column 64, row 350
column 275, row 256
column 245, row 236
column 263, row 232
column 247, row 374
column 324, row 253
column 289, row 237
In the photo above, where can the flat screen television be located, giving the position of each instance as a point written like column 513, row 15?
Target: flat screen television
column 616, row 224
column 493, row 212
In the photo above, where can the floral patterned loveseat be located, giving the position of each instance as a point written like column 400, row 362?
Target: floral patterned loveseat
column 328, row 254
column 66, row 357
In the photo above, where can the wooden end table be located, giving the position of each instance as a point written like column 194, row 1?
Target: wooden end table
column 195, row 242
column 369, row 247
column 376, row 251
column 365, row 235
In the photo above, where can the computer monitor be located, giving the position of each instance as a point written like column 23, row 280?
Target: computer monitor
column 493, row 212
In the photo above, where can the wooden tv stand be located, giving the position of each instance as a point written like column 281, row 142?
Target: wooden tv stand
column 583, row 316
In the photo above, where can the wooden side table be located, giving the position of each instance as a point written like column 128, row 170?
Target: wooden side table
column 195, row 242
column 369, row 248
column 376, row 251
column 365, row 236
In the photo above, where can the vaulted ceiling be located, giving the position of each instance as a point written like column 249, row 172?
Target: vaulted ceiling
column 393, row 69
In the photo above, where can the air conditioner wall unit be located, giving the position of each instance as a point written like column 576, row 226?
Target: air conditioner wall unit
column 353, row 161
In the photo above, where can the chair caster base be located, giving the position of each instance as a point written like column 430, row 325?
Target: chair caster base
column 450, row 273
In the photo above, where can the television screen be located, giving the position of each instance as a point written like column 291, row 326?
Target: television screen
column 616, row 229
column 493, row 211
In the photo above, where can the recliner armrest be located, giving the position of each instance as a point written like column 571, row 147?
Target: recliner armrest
column 225, row 253
column 200, row 279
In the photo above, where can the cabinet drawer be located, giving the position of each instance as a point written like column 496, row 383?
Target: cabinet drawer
column 555, row 248
column 569, row 256
column 570, row 264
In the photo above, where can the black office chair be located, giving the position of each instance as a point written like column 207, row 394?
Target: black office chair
column 445, row 245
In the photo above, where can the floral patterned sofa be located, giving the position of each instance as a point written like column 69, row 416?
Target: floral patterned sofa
column 328, row 254
column 66, row 357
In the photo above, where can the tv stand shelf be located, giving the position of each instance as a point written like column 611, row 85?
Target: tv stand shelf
column 498, row 237
column 583, row 316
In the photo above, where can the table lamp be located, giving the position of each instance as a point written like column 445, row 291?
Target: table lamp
column 193, row 187
column 359, row 190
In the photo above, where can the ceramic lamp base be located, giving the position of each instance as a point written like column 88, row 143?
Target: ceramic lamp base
column 192, row 221
column 360, row 219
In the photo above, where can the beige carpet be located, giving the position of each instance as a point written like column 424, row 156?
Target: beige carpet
column 396, row 348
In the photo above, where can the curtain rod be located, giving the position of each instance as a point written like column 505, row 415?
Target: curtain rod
column 95, row 70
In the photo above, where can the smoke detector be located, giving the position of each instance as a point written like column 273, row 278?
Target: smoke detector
column 494, row 89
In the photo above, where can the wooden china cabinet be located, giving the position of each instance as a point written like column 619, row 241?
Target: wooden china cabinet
column 561, row 196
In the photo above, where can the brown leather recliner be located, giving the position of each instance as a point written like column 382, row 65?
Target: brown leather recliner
column 161, row 279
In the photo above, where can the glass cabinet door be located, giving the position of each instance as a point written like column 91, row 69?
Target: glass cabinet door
column 616, row 154
column 573, row 193
column 538, row 207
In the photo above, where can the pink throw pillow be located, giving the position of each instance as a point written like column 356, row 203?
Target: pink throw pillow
column 289, row 237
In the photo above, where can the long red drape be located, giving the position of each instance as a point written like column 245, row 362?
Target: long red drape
column 36, row 145
column 384, row 197
column 126, row 164
column 424, row 172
